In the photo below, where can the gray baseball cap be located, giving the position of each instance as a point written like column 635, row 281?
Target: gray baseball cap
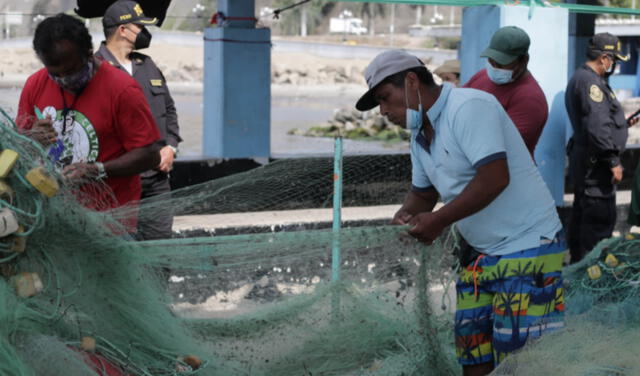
column 382, row 66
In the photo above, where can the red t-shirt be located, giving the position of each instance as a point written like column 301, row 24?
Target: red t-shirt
column 523, row 100
column 110, row 117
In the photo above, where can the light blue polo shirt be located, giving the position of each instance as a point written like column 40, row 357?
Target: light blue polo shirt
column 471, row 129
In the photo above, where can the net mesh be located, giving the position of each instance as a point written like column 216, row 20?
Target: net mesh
column 603, row 318
column 265, row 302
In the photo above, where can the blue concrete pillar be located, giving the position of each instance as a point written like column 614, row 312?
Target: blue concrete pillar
column 237, row 85
column 548, row 29
column 240, row 13
column 478, row 26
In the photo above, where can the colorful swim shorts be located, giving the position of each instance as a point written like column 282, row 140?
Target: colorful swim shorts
column 503, row 301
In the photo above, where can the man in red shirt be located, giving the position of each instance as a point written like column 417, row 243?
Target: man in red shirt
column 506, row 77
column 95, row 121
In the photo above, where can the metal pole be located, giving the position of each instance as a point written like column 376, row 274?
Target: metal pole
column 337, row 223
column 337, row 209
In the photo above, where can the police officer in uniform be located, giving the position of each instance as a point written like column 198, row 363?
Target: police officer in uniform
column 125, row 31
column 599, row 138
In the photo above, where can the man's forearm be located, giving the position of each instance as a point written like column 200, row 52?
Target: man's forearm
column 420, row 202
column 134, row 161
column 486, row 186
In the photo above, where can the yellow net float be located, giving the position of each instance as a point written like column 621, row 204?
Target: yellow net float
column 594, row 272
column 16, row 242
column 8, row 158
column 6, row 192
column 611, row 260
column 43, row 181
column 88, row 344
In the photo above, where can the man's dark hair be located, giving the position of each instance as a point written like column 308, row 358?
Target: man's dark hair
column 58, row 28
column 109, row 31
column 422, row 72
column 593, row 54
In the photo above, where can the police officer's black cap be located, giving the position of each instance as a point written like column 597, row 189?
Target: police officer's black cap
column 124, row 12
column 606, row 43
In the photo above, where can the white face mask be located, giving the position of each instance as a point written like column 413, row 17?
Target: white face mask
column 499, row 76
column 612, row 67
column 414, row 117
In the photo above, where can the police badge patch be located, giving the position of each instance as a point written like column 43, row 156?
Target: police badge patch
column 595, row 93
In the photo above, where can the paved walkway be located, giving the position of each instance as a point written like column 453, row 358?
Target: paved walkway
column 280, row 218
column 306, row 216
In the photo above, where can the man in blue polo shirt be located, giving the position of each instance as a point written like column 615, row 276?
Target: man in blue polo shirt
column 466, row 151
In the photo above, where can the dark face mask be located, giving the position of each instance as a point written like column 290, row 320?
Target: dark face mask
column 143, row 39
column 76, row 82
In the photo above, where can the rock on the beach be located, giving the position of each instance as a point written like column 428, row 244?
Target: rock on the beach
column 359, row 125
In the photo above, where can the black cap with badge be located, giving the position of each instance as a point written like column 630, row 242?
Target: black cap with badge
column 607, row 43
column 124, row 12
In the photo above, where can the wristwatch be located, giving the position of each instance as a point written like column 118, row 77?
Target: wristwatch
column 102, row 173
column 175, row 150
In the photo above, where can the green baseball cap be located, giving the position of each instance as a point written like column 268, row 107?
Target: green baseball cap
column 507, row 44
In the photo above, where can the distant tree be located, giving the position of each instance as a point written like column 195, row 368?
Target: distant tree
column 370, row 11
column 192, row 15
column 418, row 9
column 291, row 20
column 621, row 3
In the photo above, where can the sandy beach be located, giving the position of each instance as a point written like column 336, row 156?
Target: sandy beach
column 307, row 90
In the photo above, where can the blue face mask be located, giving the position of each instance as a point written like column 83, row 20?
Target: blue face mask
column 414, row 117
column 499, row 76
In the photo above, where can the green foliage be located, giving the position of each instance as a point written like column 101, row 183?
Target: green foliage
column 290, row 20
column 184, row 19
column 371, row 10
column 621, row 3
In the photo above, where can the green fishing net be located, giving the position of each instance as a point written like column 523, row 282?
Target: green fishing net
column 602, row 321
column 267, row 300
column 272, row 303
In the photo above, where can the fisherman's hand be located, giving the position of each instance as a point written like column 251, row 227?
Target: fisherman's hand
column 167, row 155
column 80, row 172
column 402, row 217
column 42, row 131
column 617, row 174
column 426, row 227
column 633, row 121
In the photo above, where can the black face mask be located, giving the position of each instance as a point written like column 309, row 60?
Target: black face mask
column 143, row 39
